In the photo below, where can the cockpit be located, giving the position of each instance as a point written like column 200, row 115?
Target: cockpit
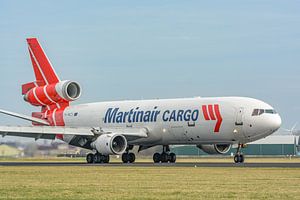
column 257, row 112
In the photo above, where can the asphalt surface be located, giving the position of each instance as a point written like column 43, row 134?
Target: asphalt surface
column 181, row 164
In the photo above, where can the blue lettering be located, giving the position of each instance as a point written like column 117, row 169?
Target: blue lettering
column 165, row 118
column 110, row 115
column 195, row 115
column 187, row 115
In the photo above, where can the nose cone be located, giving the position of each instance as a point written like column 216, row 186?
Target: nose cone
column 276, row 122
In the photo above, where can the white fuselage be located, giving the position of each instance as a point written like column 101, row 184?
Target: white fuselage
column 222, row 120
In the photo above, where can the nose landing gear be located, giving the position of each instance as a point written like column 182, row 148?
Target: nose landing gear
column 165, row 156
column 239, row 157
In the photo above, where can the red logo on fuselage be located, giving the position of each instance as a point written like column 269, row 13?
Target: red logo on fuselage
column 212, row 112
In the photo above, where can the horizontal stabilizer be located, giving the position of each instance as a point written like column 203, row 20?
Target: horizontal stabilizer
column 25, row 117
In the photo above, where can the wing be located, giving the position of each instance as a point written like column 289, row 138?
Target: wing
column 43, row 132
column 129, row 133
column 50, row 132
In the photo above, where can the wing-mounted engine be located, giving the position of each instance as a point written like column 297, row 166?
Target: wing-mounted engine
column 61, row 92
column 110, row 144
column 215, row 148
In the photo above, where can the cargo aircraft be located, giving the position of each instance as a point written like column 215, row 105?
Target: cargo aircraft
column 113, row 128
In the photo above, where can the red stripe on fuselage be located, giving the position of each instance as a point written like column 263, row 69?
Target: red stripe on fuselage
column 205, row 113
column 211, row 112
column 219, row 118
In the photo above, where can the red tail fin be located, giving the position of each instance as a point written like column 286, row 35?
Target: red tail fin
column 43, row 70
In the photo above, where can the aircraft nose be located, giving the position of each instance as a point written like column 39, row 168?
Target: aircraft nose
column 276, row 122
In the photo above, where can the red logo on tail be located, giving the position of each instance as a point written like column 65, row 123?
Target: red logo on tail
column 212, row 112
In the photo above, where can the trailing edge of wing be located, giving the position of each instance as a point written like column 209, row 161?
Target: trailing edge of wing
column 25, row 117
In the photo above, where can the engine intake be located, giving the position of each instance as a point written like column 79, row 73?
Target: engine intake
column 215, row 148
column 64, row 91
column 110, row 144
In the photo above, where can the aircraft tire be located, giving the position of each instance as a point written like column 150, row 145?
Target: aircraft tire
column 239, row 158
column 131, row 157
column 106, row 159
column 164, row 157
column 172, row 157
column 97, row 158
column 90, row 158
column 125, row 157
column 156, row 158
column 242, row 158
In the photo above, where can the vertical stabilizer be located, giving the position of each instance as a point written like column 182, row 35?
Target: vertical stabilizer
column 43, row 70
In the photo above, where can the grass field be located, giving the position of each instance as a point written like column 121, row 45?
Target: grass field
column 98, row 182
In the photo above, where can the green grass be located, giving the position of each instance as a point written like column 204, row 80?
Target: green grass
column 99, row 182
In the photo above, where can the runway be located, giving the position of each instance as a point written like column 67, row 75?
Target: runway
column 148, row 164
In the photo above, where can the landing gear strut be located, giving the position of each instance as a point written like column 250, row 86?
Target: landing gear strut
column 97, row 158
column 128, row 157
column 239, row 157
column 165, row 156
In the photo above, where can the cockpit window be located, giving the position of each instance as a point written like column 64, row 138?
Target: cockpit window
column 261, row 111
column 270, row 111
column 257, row 112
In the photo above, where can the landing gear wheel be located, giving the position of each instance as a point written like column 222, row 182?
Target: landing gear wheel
column 124, row 157
column 128, row 157
column 97, row 158
column 90, row 158
column 172, row 158
column 164, row 157
column 239, row 158
column 156, row 158
column 242, row 158
column 131, row 157
column 106, row 159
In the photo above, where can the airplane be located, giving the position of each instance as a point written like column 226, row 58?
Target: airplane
column 214, row 124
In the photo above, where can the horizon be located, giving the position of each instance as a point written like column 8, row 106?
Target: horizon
column 157, row 49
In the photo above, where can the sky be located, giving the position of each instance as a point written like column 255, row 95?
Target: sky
column 137, row 49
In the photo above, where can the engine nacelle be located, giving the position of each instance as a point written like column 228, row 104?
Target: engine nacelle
column 215, row 148
column 110, row 144
column 64, row 91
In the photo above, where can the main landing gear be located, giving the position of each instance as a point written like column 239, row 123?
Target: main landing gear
column 97, row 158
column 239, row 157
column 128, row 157
column 165, row 156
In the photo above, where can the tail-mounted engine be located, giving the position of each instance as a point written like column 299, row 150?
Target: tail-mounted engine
column 61, row 92
column 215, row 148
